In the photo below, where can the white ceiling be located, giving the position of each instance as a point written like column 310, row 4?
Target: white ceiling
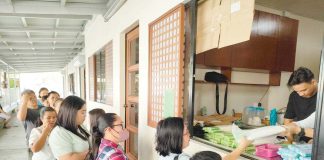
column 307, row 8
column 44, row 35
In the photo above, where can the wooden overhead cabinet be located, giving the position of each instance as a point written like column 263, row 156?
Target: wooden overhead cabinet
column 272, row 46
column 287, row 41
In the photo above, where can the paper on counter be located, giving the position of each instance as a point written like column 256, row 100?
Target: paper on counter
column 260, row 135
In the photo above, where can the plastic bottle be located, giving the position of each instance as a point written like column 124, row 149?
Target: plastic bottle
column 273, row 117
column 204, row 111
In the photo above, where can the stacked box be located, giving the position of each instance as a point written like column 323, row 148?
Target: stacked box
column 296, row 152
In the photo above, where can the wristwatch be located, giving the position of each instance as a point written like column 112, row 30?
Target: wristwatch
column 299, row 135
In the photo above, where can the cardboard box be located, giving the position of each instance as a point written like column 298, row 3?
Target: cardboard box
column 238, row 28
column 208, row 25
column 222, row 23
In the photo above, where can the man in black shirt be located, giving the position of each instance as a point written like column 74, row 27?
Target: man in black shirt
column 302, row 101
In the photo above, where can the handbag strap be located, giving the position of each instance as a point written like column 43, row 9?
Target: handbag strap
column 217, row 99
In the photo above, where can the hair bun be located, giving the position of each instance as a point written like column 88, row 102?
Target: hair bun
column 96, row 132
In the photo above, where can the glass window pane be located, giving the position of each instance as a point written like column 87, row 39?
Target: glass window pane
column 100, row 76
column 103, row 76
column 134, row 52
column 133, row 114
column 133, row 141
column 98, row 79
column 133, row 83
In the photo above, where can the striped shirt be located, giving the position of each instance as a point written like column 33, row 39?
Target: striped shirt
column 109, row 150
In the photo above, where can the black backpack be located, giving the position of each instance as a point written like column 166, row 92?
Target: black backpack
column 218, row 78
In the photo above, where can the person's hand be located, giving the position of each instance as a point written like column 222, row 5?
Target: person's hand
column 47, row 128
column 25, row 98
column 244, row 142
column 292, row 128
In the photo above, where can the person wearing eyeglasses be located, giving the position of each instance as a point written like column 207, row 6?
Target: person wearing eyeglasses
column 172, row 136
column 107, row 135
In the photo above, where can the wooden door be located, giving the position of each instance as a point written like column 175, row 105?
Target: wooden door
column 132, row 90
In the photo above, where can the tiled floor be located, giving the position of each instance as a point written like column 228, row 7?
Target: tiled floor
column 12, row 142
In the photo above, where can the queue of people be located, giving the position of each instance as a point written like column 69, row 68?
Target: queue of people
column 54, row 126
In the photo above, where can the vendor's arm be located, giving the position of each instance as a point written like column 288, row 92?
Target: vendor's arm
column 244, row 143
column 308, row 122
column 293, row 128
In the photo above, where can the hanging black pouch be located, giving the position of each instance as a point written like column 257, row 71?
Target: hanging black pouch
column 218, row 78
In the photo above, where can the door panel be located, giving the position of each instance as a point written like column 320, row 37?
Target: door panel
column 132, row 90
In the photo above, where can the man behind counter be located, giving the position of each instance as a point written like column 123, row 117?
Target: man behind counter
column 302, row 101
column 301, row 104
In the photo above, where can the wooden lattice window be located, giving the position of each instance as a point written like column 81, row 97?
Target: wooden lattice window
column 166, row 64
column 92, row 76
column 109, row 73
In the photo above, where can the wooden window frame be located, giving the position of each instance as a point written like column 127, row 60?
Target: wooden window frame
column 179, row 91
column 107, row 51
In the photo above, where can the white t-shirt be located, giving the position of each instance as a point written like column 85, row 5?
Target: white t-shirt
column 171, row 156
column 308, row 122
column 45, row 153
column 62, row 142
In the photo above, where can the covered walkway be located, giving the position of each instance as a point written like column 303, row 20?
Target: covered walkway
column 12, row 141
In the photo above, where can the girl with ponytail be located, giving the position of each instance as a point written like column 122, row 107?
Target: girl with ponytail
column 106, row 136
column 94, row 114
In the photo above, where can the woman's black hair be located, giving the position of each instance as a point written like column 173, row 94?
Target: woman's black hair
column 169, row 136
column 94, row 114
column 40, row 90
column 67, row 116
column 206, row 155
column 53, row 92
column 98, row 131
column 42, row 113
column 301, row 75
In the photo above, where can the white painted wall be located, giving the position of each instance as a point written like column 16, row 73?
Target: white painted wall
column 142, row 12
column 99, row 33
column 238, row 97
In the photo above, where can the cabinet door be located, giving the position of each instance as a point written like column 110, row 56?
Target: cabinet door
column 219, row 57
column 260, row 51
column 287, row 40
column 257, row 53
column 200, row 58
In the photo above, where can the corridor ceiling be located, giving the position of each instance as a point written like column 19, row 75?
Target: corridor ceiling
column 45, row 35
column 307, row 8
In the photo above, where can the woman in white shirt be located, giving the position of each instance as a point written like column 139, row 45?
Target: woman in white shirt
column 172, row 136
column 38, row 141
column 69, row 140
